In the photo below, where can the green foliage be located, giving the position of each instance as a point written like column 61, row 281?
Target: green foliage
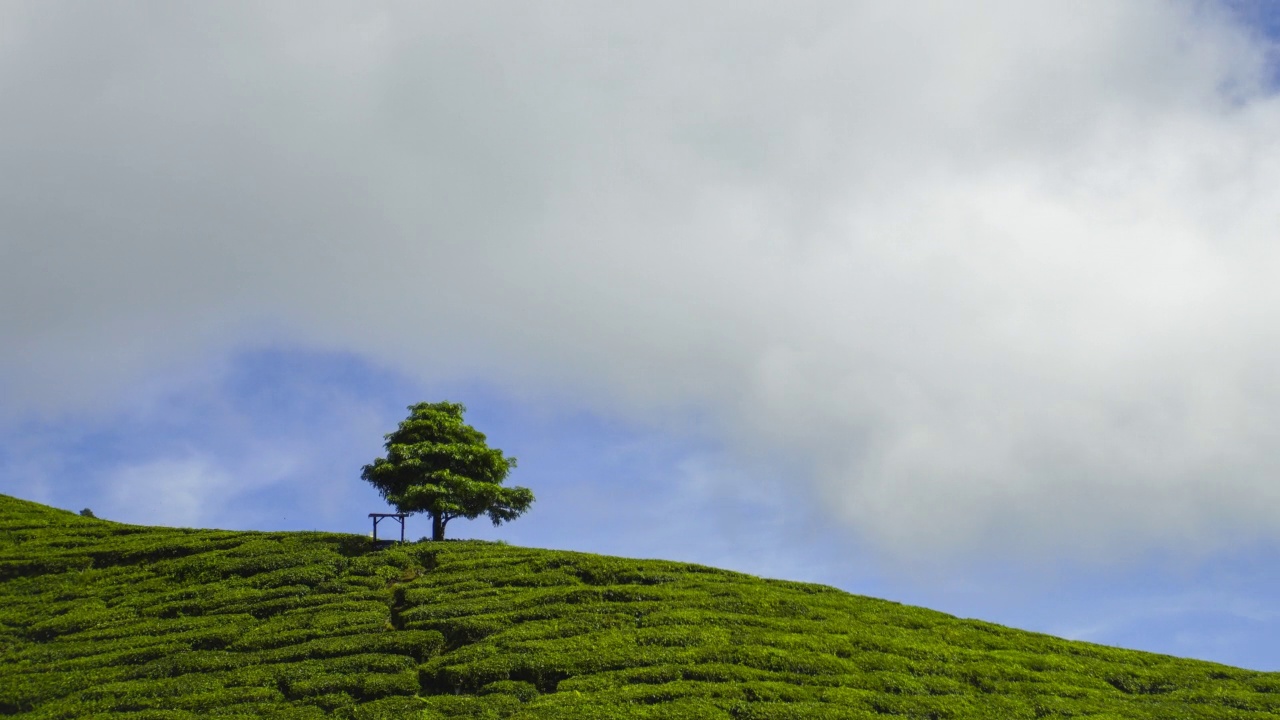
column 439, row 465
column 99, row 619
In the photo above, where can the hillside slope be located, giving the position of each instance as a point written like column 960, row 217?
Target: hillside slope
column 103, row 619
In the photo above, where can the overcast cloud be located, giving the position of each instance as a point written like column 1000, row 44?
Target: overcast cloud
column 1000, row 276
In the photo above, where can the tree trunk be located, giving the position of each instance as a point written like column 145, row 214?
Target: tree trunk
column 437, row 527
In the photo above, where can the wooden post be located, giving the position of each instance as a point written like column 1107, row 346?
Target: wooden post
column 379, row 516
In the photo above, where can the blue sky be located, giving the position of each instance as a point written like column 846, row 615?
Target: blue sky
column 973, row 312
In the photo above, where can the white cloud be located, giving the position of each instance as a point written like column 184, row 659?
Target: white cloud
column 190, row 488
column 997, row 276
column 179, row 492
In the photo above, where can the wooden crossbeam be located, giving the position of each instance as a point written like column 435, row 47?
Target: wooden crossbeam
column 381, row 516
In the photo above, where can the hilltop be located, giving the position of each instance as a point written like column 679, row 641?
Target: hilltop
column 99, row 618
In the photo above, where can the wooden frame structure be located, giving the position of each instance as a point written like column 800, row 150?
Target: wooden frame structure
column 381, row 516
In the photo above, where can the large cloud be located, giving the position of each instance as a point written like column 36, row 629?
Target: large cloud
column 998, row 275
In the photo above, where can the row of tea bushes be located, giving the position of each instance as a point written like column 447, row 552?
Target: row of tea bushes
column 99, row 619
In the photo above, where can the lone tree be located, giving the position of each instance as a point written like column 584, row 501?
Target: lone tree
column 441, row 466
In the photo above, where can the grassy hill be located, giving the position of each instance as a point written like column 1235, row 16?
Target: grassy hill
column 103, row 619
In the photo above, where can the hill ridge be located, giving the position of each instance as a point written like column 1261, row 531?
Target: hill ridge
column 107, row 619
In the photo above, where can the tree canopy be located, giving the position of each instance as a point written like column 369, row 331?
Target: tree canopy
column 438, row 465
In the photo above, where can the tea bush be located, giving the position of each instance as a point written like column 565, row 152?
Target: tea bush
column 100, row 619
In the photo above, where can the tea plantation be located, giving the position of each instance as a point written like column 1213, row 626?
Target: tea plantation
column 100, row 619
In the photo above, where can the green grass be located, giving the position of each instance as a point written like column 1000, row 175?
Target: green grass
column 100, row 619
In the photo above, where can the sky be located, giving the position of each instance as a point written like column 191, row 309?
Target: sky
column 970, row 306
